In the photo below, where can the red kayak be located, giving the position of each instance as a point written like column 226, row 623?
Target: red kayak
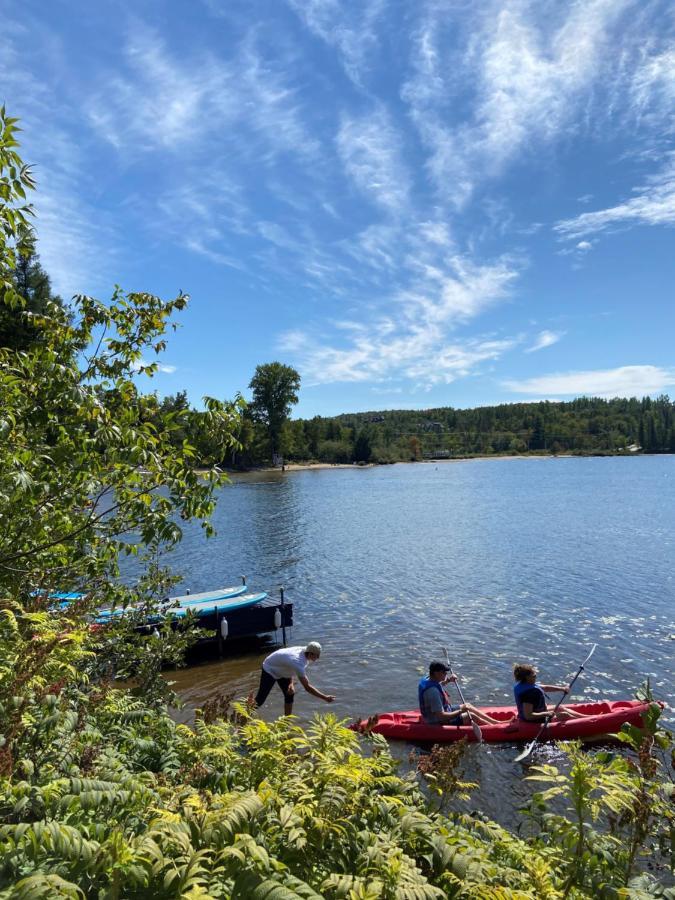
column 601, row 719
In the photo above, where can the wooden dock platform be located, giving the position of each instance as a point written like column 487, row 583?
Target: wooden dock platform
column 269, row 615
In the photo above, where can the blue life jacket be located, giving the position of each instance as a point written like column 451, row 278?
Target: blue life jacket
column 537, row 697
column 428, row 684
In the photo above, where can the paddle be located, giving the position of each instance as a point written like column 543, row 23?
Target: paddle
column 530, row 747
column 474, row 724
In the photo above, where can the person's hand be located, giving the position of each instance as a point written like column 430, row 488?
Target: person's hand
column 291, row 688
column 563, row 714
column 451, row 677
column 329, row 698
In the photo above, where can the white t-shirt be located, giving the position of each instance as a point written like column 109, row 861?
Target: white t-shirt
column 286, row 663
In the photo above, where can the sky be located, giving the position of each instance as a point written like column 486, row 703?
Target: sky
column 436, row 203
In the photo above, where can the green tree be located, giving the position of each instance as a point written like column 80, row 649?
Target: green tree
column 362, row 446
column 20, row 327
column 275, row 389
column 88, row 471
column 17, row 239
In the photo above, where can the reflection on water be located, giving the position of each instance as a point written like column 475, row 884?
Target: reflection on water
column 500, row 560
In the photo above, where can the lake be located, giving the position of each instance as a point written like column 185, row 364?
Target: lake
column 502, row 560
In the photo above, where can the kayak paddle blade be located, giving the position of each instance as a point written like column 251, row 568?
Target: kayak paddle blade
column 527, row 752
column 477, row 732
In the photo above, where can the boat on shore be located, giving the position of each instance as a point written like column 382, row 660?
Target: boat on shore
column 600, row 720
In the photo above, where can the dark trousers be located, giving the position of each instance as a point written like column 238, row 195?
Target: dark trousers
column 267, row 682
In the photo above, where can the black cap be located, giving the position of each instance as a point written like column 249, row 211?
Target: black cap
column 437, row 666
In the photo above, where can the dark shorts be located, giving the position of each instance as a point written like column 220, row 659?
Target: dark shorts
column 267, row 682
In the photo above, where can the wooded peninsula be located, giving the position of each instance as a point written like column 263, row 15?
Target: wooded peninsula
column 585, row 426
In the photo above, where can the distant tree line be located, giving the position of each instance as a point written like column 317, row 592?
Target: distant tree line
column 265, row 432
column 585, row 426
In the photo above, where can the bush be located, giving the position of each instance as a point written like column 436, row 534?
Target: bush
column 335, row 452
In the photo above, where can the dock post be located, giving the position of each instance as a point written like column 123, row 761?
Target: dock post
column 283, row 618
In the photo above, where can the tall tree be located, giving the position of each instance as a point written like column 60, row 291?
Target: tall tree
column 275, row 389
column 362, row 446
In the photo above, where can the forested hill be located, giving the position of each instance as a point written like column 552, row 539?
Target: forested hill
column 585, row 425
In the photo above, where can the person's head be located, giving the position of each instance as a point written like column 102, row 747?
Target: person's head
column 437, row 670
column 525, row 673
column 313, row 650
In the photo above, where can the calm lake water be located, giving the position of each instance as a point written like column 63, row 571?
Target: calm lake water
column 500, row 560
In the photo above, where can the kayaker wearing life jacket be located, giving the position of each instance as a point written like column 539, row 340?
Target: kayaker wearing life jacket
column 435, row 705
column 530, row 696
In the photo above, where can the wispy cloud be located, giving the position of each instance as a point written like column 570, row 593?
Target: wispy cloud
column 351, row 30
column 370, row 150
column 625, row 381
column 545, row 339
column 71, row 230
column 653, row 204
column 530, row 70
column 164, row 98
column 413, row 339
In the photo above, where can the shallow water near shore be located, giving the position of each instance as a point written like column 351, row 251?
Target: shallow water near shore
column 499, row 560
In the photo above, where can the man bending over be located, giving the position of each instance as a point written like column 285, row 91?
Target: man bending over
column 281, row 667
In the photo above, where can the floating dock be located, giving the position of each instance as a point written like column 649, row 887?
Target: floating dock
column 224, row 614
column 268, row 615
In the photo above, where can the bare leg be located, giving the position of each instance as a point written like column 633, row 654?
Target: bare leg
column 566, row 713
column 481, row 717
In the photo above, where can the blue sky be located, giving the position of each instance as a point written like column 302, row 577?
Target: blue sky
column 444, row 202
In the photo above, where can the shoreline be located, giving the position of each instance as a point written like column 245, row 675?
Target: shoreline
column 301, row 467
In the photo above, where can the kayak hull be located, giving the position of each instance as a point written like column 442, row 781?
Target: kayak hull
column 601, row 719
column 202, row 605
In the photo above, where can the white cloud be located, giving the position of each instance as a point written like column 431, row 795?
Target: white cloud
column 654, row 204
column 370, row 150
column 529, row 71
column 71, row 230
column 584, row 245
column 163, row 98
column 71, row 235
column 545, row 339
column 625, row 381
column 352, row 31
column 412, row 339
column 652, row 92
column 163, row 368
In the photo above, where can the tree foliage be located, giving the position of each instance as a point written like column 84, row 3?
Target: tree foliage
column 88, row 469
column 275, row 390
column 584, row 426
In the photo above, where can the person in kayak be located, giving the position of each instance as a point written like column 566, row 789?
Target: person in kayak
column 530, row 696
column 435, row 705
column 281, row 667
